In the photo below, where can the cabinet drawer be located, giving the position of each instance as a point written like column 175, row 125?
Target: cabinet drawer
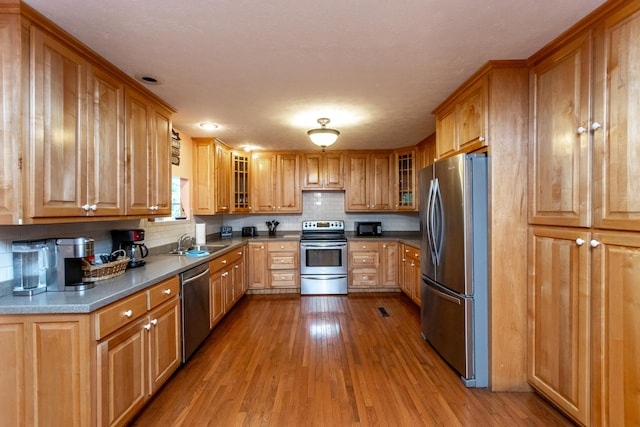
column 282, row 260
column 225, row 260
column 368, row 279
column 412, row 253
column 284, row 279
column 283, row 246
column 163, row 291
column 120, row 313
column 364, row 259
column 363, row 246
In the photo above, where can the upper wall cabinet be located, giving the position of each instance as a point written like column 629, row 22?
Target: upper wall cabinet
column 405, row 182
column 323, row 171
column 276, row 183
column 148, row 145
column 461, row 122
column 204, row 176
column 369, row 183
column 63, row 111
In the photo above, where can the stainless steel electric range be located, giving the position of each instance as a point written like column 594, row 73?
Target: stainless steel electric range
column 323, row 258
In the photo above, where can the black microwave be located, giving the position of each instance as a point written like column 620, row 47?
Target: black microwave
column 368, row 228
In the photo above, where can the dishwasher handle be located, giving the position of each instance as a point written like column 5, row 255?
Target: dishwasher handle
column 196, row 277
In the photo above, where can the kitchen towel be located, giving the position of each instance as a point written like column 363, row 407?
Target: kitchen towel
column 201, row 234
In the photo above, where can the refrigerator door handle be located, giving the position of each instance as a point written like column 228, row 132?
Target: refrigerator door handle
column 445, row 296
column 438, row 222
column 430, row 221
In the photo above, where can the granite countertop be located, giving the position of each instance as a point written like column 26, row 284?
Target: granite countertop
column 159, row 266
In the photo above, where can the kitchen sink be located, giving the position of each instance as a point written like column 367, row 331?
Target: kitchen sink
column 204, row 248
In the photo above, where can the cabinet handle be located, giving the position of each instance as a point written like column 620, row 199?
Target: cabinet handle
column 224, row 261
column 595, row 126
column 579, row 241
column 594, row 243
column 412, row 264
column 93, row 207
column 481, row 139
column 237, row 266
column 581, row 130
column 147, row 326
column 417, row 255
column 154, row 322
column 85, row 207
column 406, row 250
column 167, row 291
column 384, row 246
column 128, row 313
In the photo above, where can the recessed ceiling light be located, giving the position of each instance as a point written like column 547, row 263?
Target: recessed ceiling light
column 209, row 126
column 148, row 79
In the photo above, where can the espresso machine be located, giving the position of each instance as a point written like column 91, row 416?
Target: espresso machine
column 71, row 254
column 131, row 242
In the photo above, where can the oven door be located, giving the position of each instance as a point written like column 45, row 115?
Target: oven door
column 323, row 257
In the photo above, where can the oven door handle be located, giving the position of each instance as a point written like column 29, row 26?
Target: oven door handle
column 323, row 278
column 320, row 245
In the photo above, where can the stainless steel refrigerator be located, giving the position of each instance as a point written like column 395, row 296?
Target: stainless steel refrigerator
column 453, row 263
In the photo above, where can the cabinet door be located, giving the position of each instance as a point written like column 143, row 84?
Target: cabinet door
column 105, row 148
column 381, row 182
column 223, row 175
column 165, row 352
column 239, row 282
column 472, row 117
column 228, row 289
column 333, row 171
column 312, row 170
column 12, row 342
column 559, row 318
column 139, row 154
column 616, row 109
column 57, row 168
column 288, row 183
column 559, row 184
column 203, row 175
column 11, row 45
column 405, row 185
column 616, row 303
column 389, row 264
column 241, row 183
column 446, row 138
column 257, row 265
column 357, row 183
column 123, row 374
column 216, row 302
column 161, row 162
column 263, row 176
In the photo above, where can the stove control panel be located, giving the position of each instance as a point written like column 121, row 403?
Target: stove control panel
column 337, row 225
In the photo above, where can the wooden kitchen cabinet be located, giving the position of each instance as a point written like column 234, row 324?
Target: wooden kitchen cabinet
column 276, row 183
column 323, row 171
column 136, row 359
column 227, row 282
column 373, row 264
column 203, row 176
column 615, row 319
column 76, row 165
column 35, row 349
column 241, row 202
column 148, row 145
column 559, row 317
column 223, row 177
column 411, row 280
column 462, row 120
column 283, row 262
column 257, row 265
column 369, row 182
column 405, row 182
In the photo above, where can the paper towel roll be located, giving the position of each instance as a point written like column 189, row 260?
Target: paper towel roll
column 201, row 234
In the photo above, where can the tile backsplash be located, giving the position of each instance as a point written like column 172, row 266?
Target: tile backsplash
column 316, row 205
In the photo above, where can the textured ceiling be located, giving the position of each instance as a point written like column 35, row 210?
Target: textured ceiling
column 266, row 70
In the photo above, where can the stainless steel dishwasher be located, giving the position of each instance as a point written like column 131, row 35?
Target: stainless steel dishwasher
column 195, row 308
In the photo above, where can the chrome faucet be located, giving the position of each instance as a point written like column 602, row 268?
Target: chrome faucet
column 182, row 240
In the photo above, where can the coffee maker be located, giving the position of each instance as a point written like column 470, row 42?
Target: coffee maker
column 131, row 241
column 71, row 254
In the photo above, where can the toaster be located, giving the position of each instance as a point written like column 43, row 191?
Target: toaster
column 249, row 231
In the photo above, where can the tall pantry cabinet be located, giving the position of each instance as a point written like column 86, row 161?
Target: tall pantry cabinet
column 584, row 215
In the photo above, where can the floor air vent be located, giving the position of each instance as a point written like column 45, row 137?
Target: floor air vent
column 383, row 312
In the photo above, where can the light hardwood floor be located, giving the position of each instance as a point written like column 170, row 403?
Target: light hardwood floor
column 287, row 360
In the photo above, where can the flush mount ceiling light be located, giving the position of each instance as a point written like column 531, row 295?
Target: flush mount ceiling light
column 209, row 126
column 323, row 136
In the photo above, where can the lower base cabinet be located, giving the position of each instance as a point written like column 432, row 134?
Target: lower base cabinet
column 373, row 264
column 227, row 283
column 410, row 272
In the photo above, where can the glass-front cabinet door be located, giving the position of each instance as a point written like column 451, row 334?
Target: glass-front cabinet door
column 240, row 183
column 406, row 180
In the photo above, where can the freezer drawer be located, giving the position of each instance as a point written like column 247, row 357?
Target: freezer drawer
column 446, row 320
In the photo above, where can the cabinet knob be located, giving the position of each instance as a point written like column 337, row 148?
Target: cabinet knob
column 384, row 246
column 93, row 207
column 594, row 243
column 237, row 266
column 147, row 326
column 167, row 291
column 581, row 130
column 579, row 241
column 281, row 246
column 128, row 313
column 481, row 139
column 85, row 207
column 154, row 322
column 224, row 261
column 412, row 264
column 595, row 126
